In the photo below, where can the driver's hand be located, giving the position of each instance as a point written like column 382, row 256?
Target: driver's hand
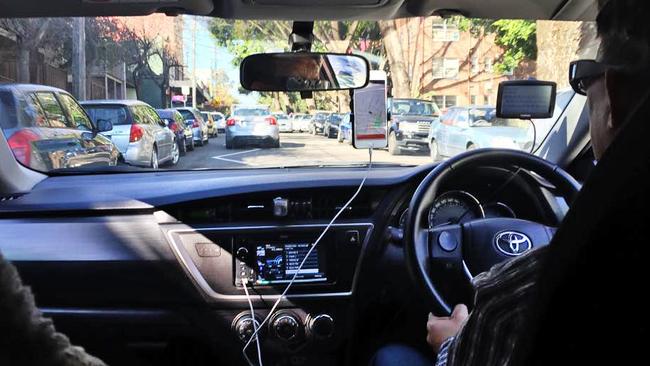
column 441, row 328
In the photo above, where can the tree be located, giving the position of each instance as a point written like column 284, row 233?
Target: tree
column 30, row 34
column 517, row 38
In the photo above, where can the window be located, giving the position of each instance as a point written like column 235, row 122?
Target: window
column 489, row 65
column 473, row 99
column 53, row 110
column 140, row 115
column 115, row 114
column 475, row 65
column 445, row 30
column 445, row 68
column 35, row 113
column 152, row 116
column 445, row 101
column 77, row 113
column 486, row 99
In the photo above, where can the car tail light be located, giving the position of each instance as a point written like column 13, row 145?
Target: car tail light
column 21, row 145
column 230, row 122
column 173, row 126
column 136, row 133
column 271, row 120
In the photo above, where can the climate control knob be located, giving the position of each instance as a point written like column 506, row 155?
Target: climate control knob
column 244, row 328
column 286, row 327
column 321, row 326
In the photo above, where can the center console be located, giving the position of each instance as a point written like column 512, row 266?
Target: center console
column 268, row 257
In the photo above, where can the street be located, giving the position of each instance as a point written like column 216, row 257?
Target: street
column 295, row 149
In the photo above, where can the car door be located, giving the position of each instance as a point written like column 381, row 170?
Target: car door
column 457, row 139
column 99, row 148
column 163, row 135
column 442, row 135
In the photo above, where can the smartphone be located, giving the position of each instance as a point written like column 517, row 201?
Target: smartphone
column 370, row 117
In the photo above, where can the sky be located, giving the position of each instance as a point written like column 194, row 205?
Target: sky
column 210, row 56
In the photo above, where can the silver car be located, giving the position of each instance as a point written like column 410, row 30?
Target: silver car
column 252, row 125
column 467, row 128
column 220, row 120
column 139, row 134
column 192, row 117
column 284, row 123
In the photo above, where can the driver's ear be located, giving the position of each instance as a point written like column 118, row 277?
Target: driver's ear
column 621, row 100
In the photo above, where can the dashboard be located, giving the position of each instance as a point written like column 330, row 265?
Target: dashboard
column 155, row 255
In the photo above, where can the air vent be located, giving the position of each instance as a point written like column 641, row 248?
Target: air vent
column 10, row 197
column 320, row 204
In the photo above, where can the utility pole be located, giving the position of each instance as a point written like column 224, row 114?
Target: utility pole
column 193, row 62
column 79, row 58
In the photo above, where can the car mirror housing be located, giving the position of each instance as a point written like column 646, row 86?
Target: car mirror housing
column 304, row 71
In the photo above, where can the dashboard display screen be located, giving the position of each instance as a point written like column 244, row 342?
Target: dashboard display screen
column 278, row 263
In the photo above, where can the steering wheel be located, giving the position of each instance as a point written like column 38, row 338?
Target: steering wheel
column 439, row 259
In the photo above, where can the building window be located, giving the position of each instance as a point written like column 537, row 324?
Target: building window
column 473, row 99
column 486, row 99
column 475, row 65
column 489, row 67
column 445, row 101
column 445, row 30
column 445, row 68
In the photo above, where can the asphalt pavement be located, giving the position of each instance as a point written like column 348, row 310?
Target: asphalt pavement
column 295, row 149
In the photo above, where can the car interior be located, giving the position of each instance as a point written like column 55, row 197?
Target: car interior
column 163, row 267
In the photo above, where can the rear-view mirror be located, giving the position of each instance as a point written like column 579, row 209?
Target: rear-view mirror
column 526, row 99
column 294, row 72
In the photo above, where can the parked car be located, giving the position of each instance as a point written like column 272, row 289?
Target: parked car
column 318, row 122
column 252, row 124
column 174, row 121
column 193, row 118
column 212, row 125
column 345, row 129
column 139, row 134
column 302, row 122
column 409, row 124
column 220, row 121
column 331, row 126
column 284, row 123
column 466, row 128
column 47, row 129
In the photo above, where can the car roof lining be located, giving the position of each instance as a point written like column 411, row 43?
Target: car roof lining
column 308, row 10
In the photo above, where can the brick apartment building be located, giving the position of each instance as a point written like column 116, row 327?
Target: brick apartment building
column 451, row 66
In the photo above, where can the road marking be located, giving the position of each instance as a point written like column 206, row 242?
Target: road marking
column 230, row 160
column 235, row 153
column 223, row 157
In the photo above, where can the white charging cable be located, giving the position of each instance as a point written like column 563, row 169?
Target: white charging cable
column 277, row 302
column 255, row 327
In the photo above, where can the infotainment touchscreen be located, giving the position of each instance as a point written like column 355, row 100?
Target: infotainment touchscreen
column 277, row 263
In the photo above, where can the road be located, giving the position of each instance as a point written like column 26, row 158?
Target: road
column 295, row 149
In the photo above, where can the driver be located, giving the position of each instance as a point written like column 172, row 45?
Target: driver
column 490, row 334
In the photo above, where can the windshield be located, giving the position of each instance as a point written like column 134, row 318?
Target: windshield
column 442, row 78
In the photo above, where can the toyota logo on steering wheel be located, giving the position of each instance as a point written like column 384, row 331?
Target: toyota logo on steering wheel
column 513, row 243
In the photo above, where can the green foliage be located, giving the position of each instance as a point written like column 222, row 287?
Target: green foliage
column 518, row 38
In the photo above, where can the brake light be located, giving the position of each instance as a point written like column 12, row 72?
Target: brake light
column 230, row 122
column 271, row 120
column 21, row 145
column 136, row 133
column 173, row 126
column 195, row 124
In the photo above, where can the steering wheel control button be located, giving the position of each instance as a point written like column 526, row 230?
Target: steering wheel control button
column 447, row 241
column 286, row 327
column 321, row 326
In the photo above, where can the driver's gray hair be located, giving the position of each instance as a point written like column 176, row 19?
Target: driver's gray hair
column 624, row 32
